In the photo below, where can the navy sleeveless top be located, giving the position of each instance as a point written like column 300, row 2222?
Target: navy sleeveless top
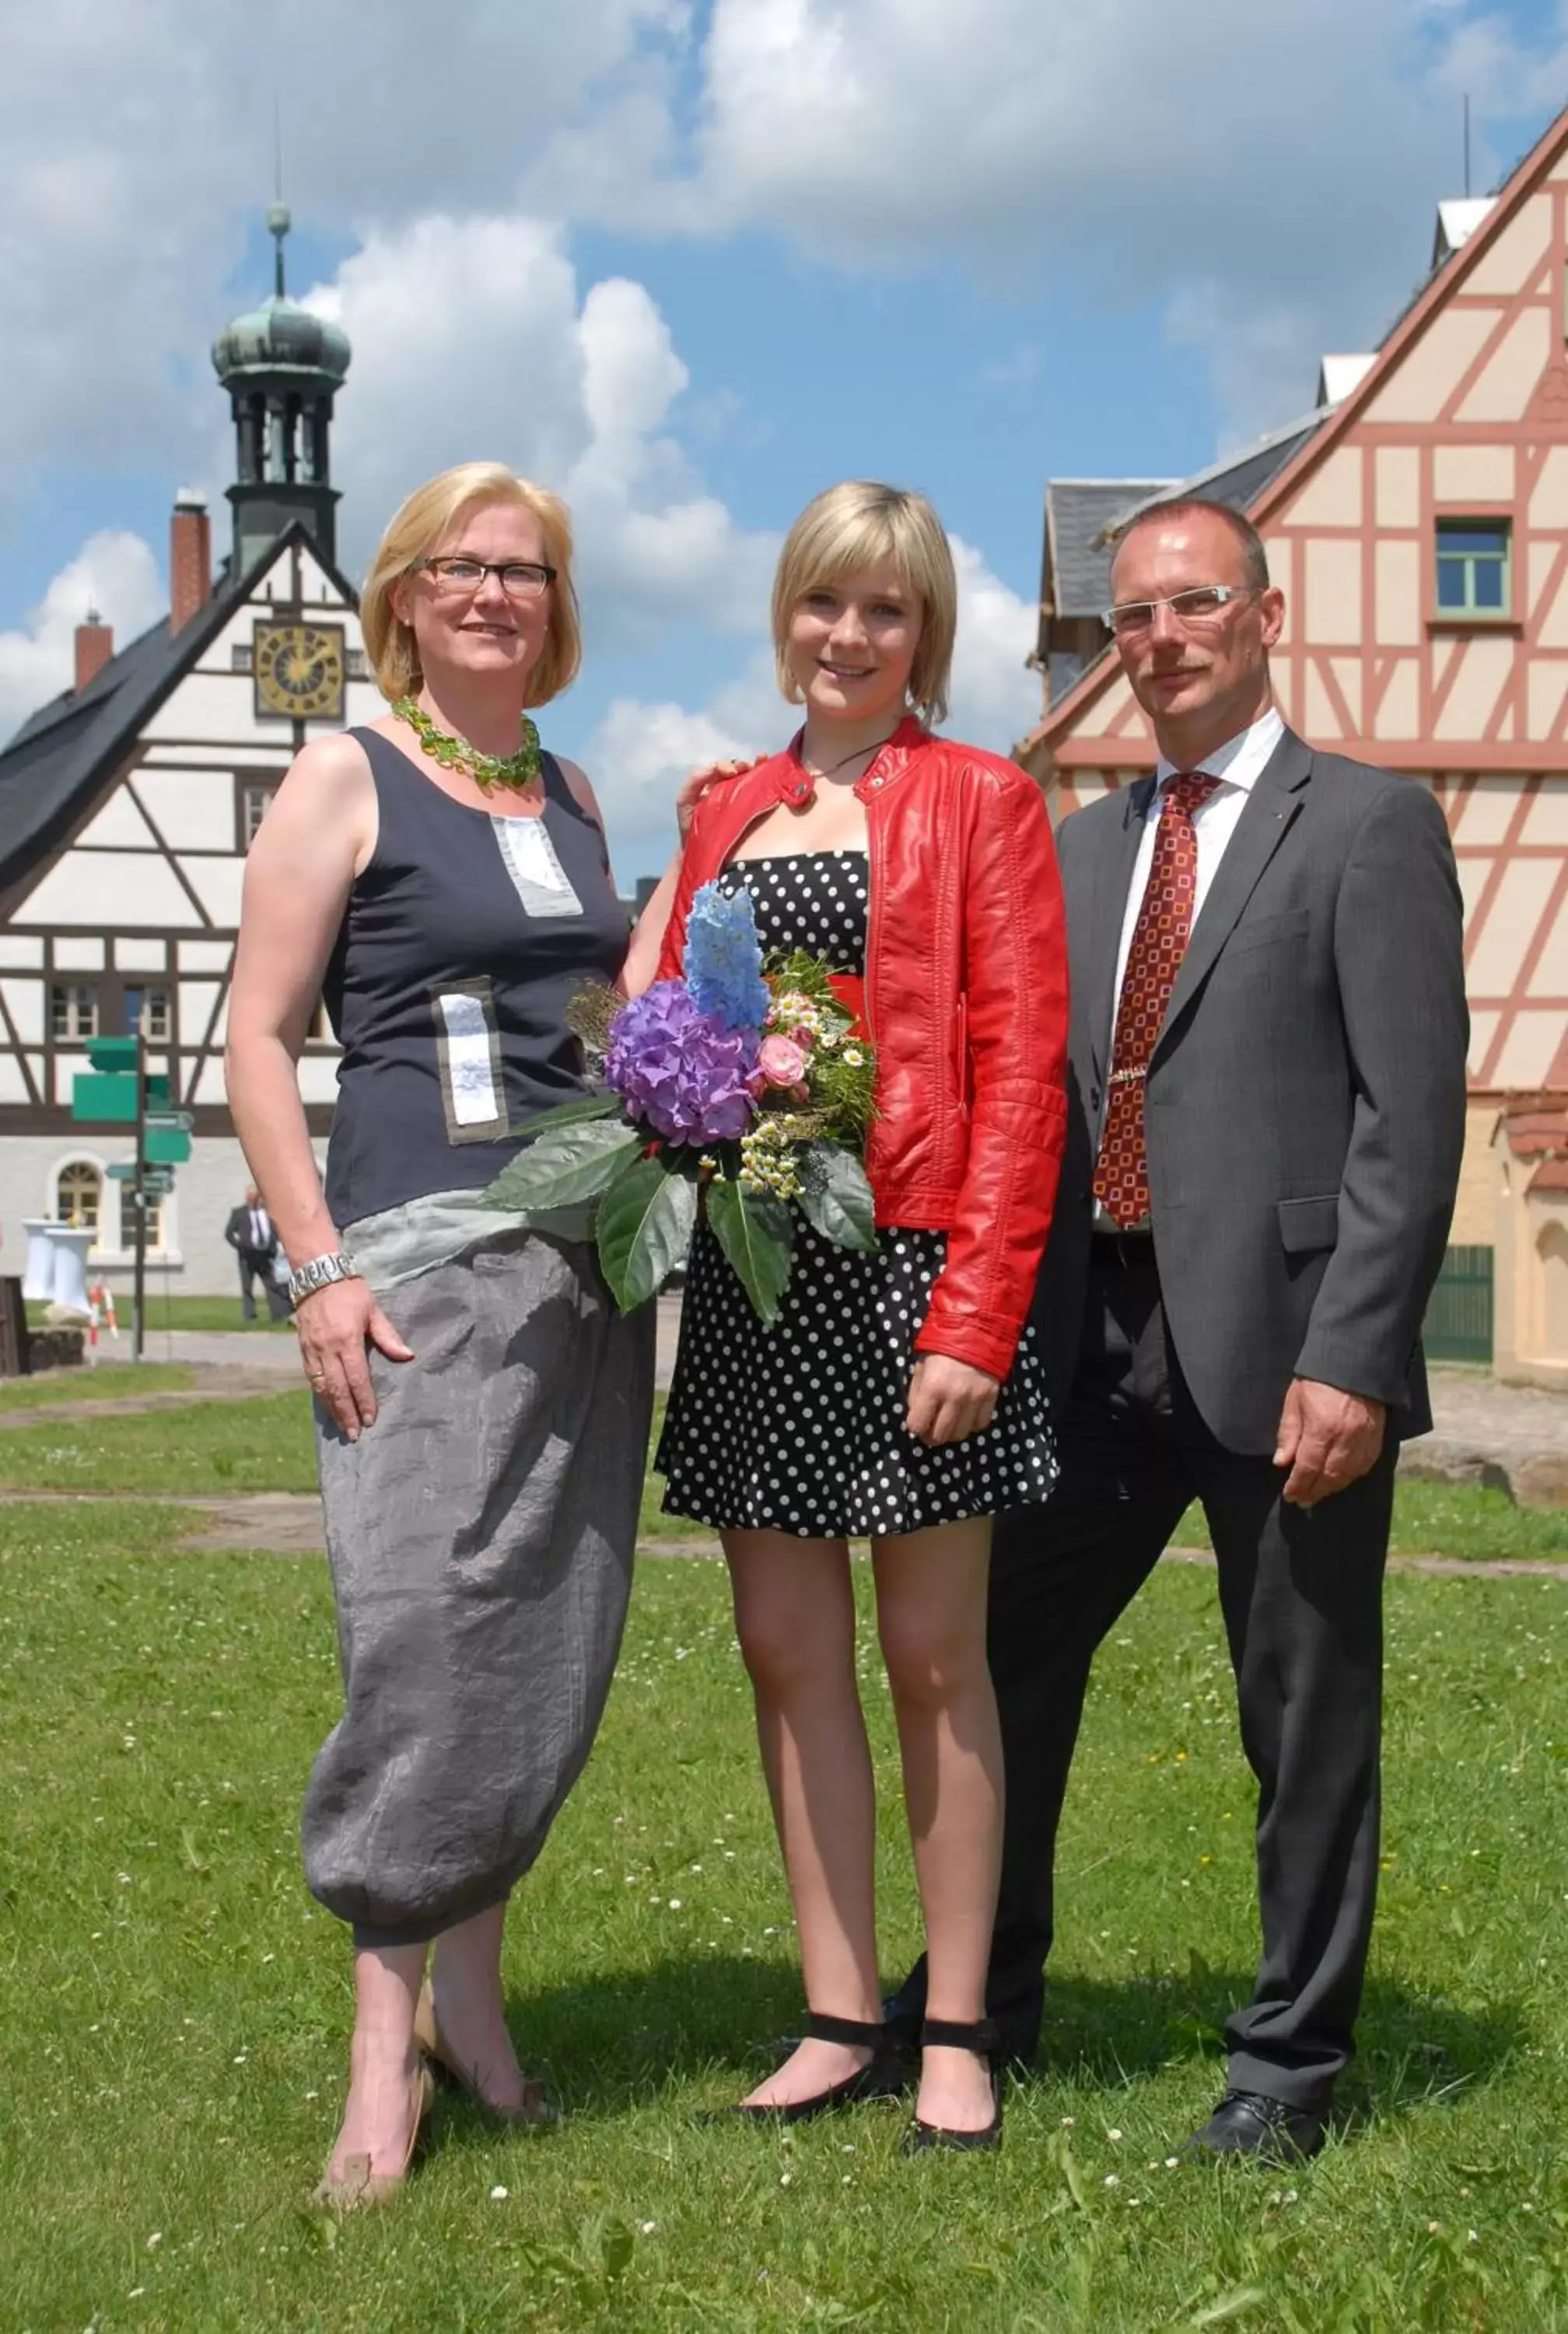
column 463, row 941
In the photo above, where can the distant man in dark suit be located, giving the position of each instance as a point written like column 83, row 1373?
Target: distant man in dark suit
column 1267, row 1093
column 249, row 1232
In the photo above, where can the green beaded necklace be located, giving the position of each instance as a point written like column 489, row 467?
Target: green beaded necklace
column 488, row 771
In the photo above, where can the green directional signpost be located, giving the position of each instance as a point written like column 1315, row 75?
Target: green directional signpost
column 117, row 1091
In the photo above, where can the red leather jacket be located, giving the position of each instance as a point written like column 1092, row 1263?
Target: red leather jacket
column 966, row 1001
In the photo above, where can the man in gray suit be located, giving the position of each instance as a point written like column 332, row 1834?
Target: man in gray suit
column 1266, row 1095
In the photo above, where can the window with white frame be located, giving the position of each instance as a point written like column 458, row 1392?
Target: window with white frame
column 79, row 1195
column 253, row 800
column 72, row 1011
column 150, row 1006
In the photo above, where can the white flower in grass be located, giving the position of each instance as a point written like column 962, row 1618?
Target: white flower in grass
column 498, row 2195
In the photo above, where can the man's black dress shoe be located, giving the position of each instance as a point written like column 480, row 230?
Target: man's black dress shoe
column 1247, row 2123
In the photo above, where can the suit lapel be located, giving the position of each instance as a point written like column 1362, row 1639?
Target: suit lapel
column 1270, row 811
column 1114, row 880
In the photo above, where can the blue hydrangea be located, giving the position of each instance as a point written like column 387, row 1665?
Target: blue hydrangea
column 723, row 958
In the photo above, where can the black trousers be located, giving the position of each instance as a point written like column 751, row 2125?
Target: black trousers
column 1302, row 1595
column 255, row 1264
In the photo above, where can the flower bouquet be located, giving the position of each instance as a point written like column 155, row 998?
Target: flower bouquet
column 738, row 1089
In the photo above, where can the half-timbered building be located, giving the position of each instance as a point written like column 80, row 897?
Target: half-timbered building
column 128, row 803
column 1417, row 521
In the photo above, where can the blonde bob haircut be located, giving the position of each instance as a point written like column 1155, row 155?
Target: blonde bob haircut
column 850, row 528
column 424, row 521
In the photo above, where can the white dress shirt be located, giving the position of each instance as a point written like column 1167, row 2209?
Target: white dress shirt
column 261, row 1230
column 1239, row 765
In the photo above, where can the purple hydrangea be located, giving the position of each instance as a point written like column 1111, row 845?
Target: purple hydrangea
column 723, row 960
column 680, row 1069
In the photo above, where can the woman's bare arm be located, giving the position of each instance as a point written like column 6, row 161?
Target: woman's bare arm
column 647, row 939
column 648, row 936
column 319, row 833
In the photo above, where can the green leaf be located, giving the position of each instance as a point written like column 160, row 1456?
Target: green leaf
column 1230, row 2306
column 757, row 1236
column 836, row 1197
column 645, row 1226
column 569, row 1164
column 568, row 1113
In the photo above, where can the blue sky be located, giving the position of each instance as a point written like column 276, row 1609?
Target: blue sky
column 966, row 251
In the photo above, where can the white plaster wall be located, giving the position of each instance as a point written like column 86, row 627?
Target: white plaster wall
column 101, row 889
column 1518, row 251
column 211, row 1182
column 1333, row 496
column 1400, row 714
column 142, row 956
column 1334, row 592
column 118, row 826
column 1473, row 474
column 193, row 808
column 1545, row 685
column 1398, row 486
column 1488, row 665
column 1546, row 821
column 1549, row 503
column 1429, row 372
column 1398, row 568
column 1509, row 380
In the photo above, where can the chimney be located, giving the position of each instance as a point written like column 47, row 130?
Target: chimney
column 189, row 558
column 94, row 647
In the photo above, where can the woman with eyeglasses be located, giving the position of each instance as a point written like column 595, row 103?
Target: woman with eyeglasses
column 481, row 1408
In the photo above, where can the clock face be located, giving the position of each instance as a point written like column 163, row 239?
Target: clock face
column 299, row 672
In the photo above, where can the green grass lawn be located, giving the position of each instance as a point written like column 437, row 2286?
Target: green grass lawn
column 265, row 1445
column 176, row 1312
column 105, row 1382
column 172, row 2058
column 216, row 1447
column 1449, row 1519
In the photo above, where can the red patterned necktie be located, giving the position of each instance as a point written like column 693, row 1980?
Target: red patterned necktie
column 1160, row 941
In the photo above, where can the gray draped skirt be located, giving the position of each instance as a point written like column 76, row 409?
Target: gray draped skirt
column 480, row 1537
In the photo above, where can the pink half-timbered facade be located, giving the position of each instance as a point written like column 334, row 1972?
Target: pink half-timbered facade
column 1419, row 531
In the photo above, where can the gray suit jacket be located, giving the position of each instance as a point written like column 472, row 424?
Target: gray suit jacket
column 1305, row 1105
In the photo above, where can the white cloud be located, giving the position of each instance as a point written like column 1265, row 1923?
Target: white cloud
column 1277, row 154
column 994, row 698
column 640, row 752
column 1274, row 167
column 470, row 340
column 114, row 574
column 138, row 149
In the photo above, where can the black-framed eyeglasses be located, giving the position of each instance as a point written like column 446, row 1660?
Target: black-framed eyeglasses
column 521, row 579
column 1203, row 604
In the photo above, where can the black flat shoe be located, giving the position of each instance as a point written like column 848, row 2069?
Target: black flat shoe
column 1247, row 2123
column 885, row 2075
column 983, row 2038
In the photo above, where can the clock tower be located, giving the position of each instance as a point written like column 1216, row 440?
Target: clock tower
column 281, row 366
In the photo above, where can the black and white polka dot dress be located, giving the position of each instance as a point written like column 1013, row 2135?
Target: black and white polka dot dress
column 800, row 1428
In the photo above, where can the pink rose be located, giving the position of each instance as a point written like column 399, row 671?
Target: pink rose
column 782, row 1062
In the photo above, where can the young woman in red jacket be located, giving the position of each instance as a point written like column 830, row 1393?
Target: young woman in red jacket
column 898, row 1395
